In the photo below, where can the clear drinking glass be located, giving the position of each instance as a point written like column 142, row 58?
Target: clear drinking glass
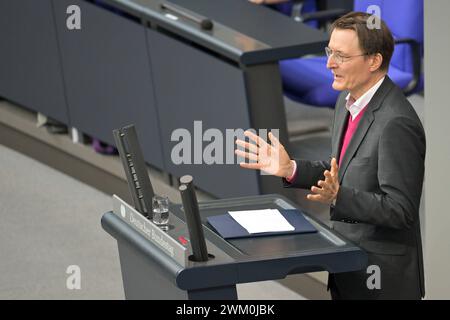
column 160, row 206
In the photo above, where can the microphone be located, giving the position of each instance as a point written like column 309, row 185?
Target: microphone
column 139, row 183
column 204, row 23
column 193, row 221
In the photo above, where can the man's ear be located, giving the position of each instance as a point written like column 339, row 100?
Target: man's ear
column 376, row 61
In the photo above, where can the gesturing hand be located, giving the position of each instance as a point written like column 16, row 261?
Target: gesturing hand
column 329, row 188
column 270, row 158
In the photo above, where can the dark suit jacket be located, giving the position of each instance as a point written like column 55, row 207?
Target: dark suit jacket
column 377, row 206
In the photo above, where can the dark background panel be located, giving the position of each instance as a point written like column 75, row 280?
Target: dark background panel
column 30, row 70
column 108, row 76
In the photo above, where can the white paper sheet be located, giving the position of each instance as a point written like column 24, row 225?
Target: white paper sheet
column 265, row 220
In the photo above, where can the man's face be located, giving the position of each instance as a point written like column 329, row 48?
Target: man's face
column 353, row 73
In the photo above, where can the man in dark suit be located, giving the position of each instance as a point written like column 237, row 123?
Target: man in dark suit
column 373, row 183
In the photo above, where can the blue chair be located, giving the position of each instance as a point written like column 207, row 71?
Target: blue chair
column 308, row 81
column 298, row 9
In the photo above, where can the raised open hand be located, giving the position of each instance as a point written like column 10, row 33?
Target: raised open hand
column 270, row 158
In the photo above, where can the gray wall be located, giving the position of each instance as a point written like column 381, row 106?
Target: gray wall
column 437, row 176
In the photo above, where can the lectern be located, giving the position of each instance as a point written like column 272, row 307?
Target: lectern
column 158, row 265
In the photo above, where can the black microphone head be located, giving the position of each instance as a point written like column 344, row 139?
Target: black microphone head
column 187, row 179
column 206, row 24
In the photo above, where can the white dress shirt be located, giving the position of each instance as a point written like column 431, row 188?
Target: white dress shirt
column 355, row 107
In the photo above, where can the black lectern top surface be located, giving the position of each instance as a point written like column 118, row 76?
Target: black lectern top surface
column 274, row 246
column 261, row 23
column 243, row 32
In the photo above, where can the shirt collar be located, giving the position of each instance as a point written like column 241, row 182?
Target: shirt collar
column 355, row 107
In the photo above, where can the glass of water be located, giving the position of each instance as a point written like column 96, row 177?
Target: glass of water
column 160, row 206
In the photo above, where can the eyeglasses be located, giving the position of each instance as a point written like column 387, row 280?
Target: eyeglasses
column 338, row 57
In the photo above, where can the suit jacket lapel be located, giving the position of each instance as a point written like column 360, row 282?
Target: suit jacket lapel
column 364, row 125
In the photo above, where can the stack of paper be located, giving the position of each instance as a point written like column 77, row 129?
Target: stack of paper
column 266, row 220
